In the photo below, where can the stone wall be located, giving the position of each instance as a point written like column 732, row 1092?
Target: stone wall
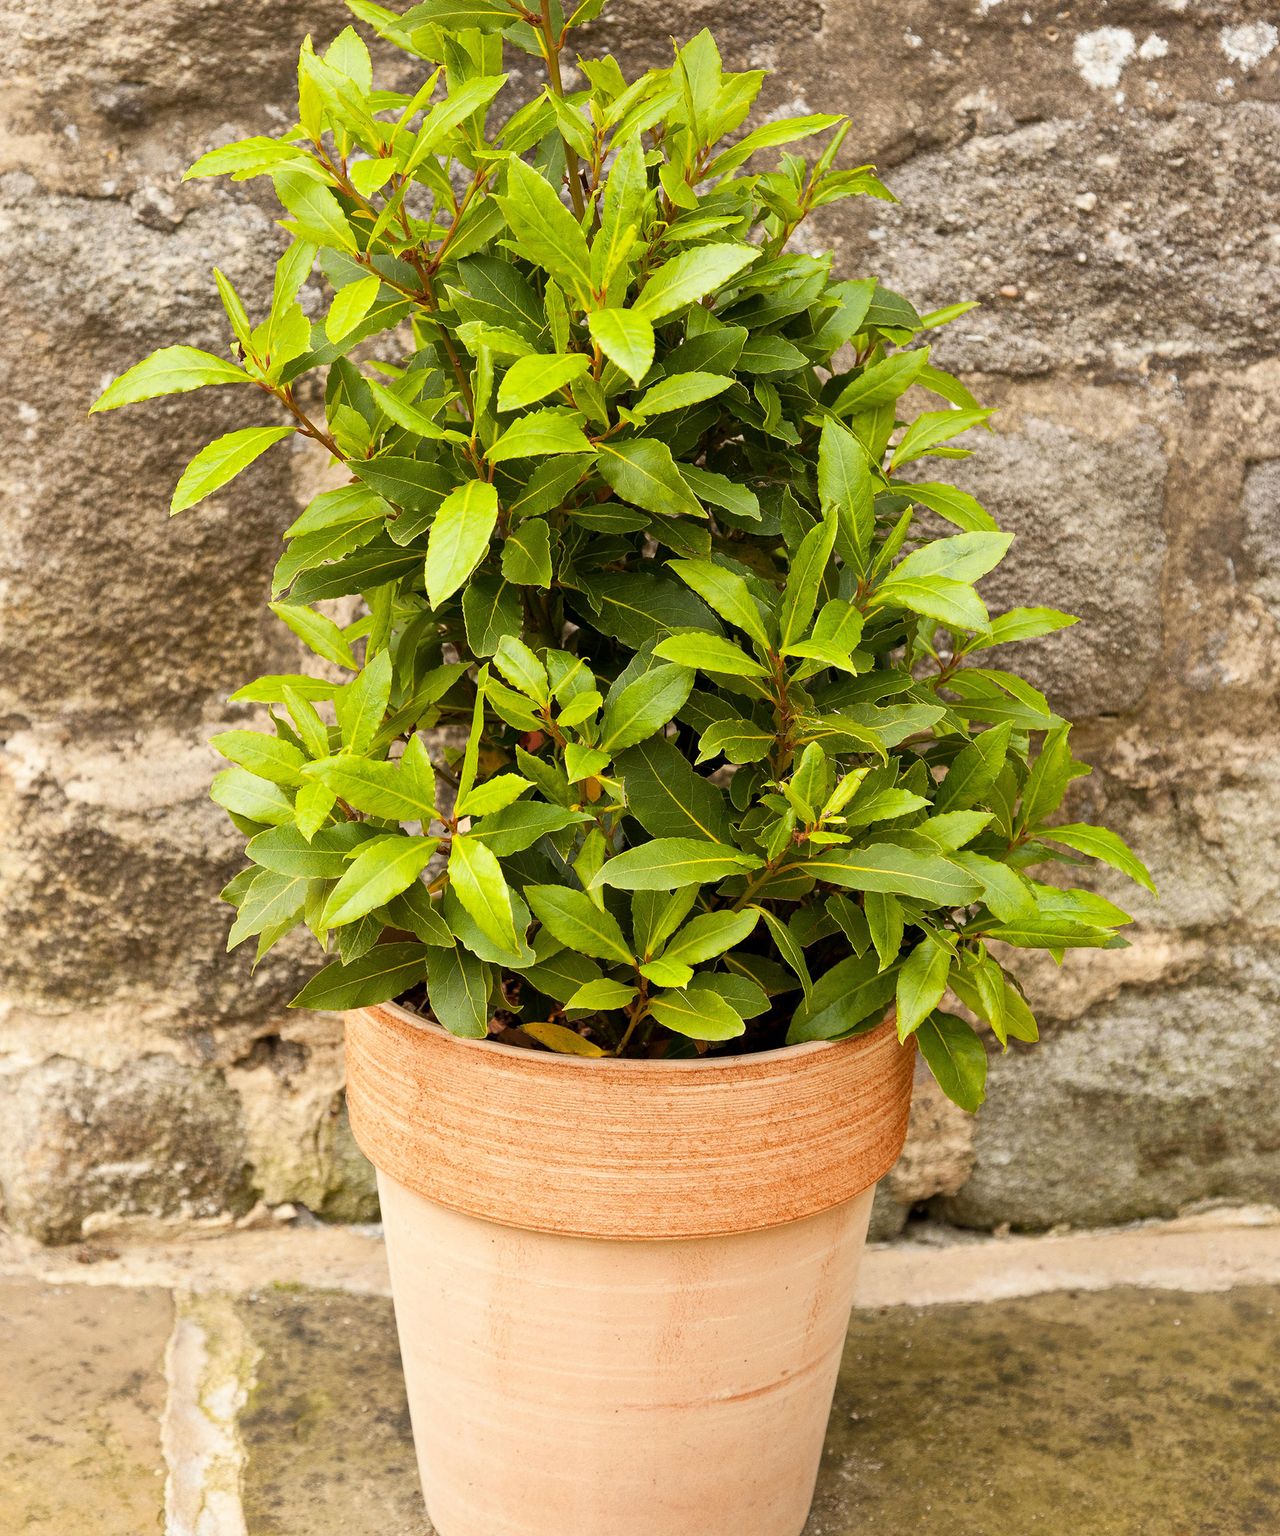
column 1102, row 177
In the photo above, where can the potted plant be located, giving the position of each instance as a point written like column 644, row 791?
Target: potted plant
column 661, row 791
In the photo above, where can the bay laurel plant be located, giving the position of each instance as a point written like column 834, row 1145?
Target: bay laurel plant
column 635, row 508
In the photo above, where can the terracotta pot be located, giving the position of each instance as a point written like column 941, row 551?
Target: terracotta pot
column 621, row 1287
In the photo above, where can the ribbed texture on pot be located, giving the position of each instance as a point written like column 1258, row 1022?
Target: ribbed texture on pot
column 625, row 1149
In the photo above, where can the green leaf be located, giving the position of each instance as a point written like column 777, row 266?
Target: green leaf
column 361, row 705
column 853, row 995
column 350, row 305
column 533, row 378
column 318, row 632
column 1004, row 890
column 550, row 430
column 476, row 878
column 655, row 916
column 601, row 995
column 904, row 871
column 956, row 1057
column 461, row 103
column 882, row 383
column 414, row 419
column 885, row 923
column 526, row 554
column 668, row 863
column 171, row 371
column 410, row 483
column 1047, row 782
column 974, row 770
column 845, row 483
column 785, row 131
column 964, row 557
column 385, row 790
column 643, row 706
column 380, row 870
column 272, row 902
column 710, row 934
column 667, row 797
column 640, row 608
column 522, row 669
column 458, row 990
column 922, row 979
column 271, row 689
column 667, row 973
column 936, row 597
column 698, row 1012
column 545, row 232
column 643, row 473
column 269, row 757
column 625, row 338
column 242, row 793
column 726, row 592
column 246, row 157
column 679, row 392
column 957, row 507
column 800, row 595
column 789, row 947
column 326, row 857
column 1025, row 624
column 1099, row 843
column 621, row 211
column 372, row 567
column 931, row 428
column 519, row 826
column 771, row 354
column 711, row 653
column 385, row 972
column 741, row 740
column 459, row 538
column 575, row 920
column 691, row 276
column 495, row 794
column 317, row 213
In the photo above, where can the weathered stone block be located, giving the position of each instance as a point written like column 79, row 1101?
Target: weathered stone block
column 1120, row 240
column 1086, row 515
column 109, row 610
column 1261, row 508
column 153, row 1138
column 110, row 882
column 81, row 1397
column 1146, row 1104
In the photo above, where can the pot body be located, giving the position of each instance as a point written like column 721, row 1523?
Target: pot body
column 621, row 1288
column 605, row 1387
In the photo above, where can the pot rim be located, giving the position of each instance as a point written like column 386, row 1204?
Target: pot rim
column 726, row 1144
column 651, row 1064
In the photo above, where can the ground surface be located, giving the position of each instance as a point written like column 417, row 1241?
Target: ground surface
column 1114, row 1384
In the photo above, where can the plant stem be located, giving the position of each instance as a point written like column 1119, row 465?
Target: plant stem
column 551, row 53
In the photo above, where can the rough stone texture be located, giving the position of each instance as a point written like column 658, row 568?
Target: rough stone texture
column 326, row 1429
column 81, row 1395
column 1262, row 531
column 1135, row 1413
column 1101, row 177
column 1055, row 1414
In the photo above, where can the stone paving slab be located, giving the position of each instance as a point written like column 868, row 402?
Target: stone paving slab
column 1129, row 1413
column 329, row 1450
column 1134, row 1413
column 82, row 1389
column 989, row 1388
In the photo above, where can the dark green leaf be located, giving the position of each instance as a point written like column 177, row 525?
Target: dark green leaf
column 385, row 972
